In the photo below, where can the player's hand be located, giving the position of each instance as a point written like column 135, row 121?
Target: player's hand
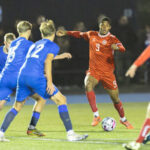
column 67, row 55
column 50, row 88
column 114, row 47
column 61, row 33
column 131, row 71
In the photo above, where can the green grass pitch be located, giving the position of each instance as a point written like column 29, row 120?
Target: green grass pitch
column 81, row 117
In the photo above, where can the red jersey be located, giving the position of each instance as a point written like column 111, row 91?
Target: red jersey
column 143, row 57
column 101, row 55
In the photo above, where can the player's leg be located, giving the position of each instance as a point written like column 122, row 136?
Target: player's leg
column 37, row 109
column 21, row 95
column 110, row 85
column 114, row 94
column 145, row 128
column 143, row 133
column 90, row 83
column 2, row 103
column 60, row 100
column 9, row 118
column 4, row 96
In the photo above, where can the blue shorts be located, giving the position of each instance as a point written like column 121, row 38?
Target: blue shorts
column 7, row 87
column 6, row 99
column 28, row 85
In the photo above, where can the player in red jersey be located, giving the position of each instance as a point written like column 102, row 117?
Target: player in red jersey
column 102, row 45
column 143, row 137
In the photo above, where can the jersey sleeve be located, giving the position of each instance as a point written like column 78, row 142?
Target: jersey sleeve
column 54, row 49
column 78, row 34
column 143, row 57
column 119, row 44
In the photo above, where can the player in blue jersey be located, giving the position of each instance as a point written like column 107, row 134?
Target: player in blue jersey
column 39, row 60
column 16, row 57
column 8, row 38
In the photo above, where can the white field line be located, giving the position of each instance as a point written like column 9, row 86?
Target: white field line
column 94, row 141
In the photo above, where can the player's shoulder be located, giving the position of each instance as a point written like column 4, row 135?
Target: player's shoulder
column 30, row 42
column 91, row 32
column 52, row 44
column 112, row 36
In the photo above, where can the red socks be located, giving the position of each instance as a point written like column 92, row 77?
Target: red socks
column 144, row 131
column 92, row 100
column 120, row 109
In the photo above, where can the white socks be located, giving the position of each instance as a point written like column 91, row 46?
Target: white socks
column 123, row 119
column 96, row 114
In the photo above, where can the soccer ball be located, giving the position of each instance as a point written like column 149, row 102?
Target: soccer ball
column 108, row 124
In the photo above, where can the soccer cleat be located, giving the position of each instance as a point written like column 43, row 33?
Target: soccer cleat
column 2, row 137
column 96, row 121
column 132, row 146
column 147, row 138
column 127, row 124
column 34, row 132
column 72, row 136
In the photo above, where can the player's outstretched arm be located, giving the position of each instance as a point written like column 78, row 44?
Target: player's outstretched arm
column 76, row 34
column 131, row 71
column 63, row 56
column 138, row 62
column 61, row 33
column 48, row 73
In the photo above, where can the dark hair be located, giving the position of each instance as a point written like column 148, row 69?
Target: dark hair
column 105, row 19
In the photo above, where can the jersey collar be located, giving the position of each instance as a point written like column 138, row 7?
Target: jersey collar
column 102, row 36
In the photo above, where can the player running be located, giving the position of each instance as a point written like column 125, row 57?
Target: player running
column 102, row 45
column 143, row 136
column 39, row 60
column 8, row 38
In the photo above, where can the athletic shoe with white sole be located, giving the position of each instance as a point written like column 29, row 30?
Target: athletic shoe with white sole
column 72, row 136
column 132, row 146
column 2, row 137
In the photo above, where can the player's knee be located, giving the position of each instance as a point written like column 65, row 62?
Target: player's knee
column 115, row 98
column 18, row 106
column 88, row 86
column 1, row 106
column 61, row 101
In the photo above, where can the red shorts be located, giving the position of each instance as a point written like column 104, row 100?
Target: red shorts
column 108, row 80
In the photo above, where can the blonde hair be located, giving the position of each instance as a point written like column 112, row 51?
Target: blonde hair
column 9, row 36
column 24, row 26
column 47, row 28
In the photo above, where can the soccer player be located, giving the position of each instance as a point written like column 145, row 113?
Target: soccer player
column 8, row 77
column 8, row 38
column 15, row 59
column 143, row 137
column 102, row 45
column 39, row 60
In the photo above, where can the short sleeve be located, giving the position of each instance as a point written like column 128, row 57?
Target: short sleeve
column 54, row 49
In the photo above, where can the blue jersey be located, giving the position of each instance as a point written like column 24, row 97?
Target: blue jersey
column 34, row 65
column 16, row 56
column 3, row 57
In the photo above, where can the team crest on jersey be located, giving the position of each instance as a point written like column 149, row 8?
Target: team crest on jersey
column 104, row 42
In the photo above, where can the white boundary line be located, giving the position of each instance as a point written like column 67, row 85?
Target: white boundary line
column 94, row 141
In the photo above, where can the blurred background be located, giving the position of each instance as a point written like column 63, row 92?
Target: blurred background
column 130, row 23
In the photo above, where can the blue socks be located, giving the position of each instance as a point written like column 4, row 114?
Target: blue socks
column 34, row 119
column 8, row 119
column 64, row 115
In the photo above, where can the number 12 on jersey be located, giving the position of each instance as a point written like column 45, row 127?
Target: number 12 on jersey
column 35, row 52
